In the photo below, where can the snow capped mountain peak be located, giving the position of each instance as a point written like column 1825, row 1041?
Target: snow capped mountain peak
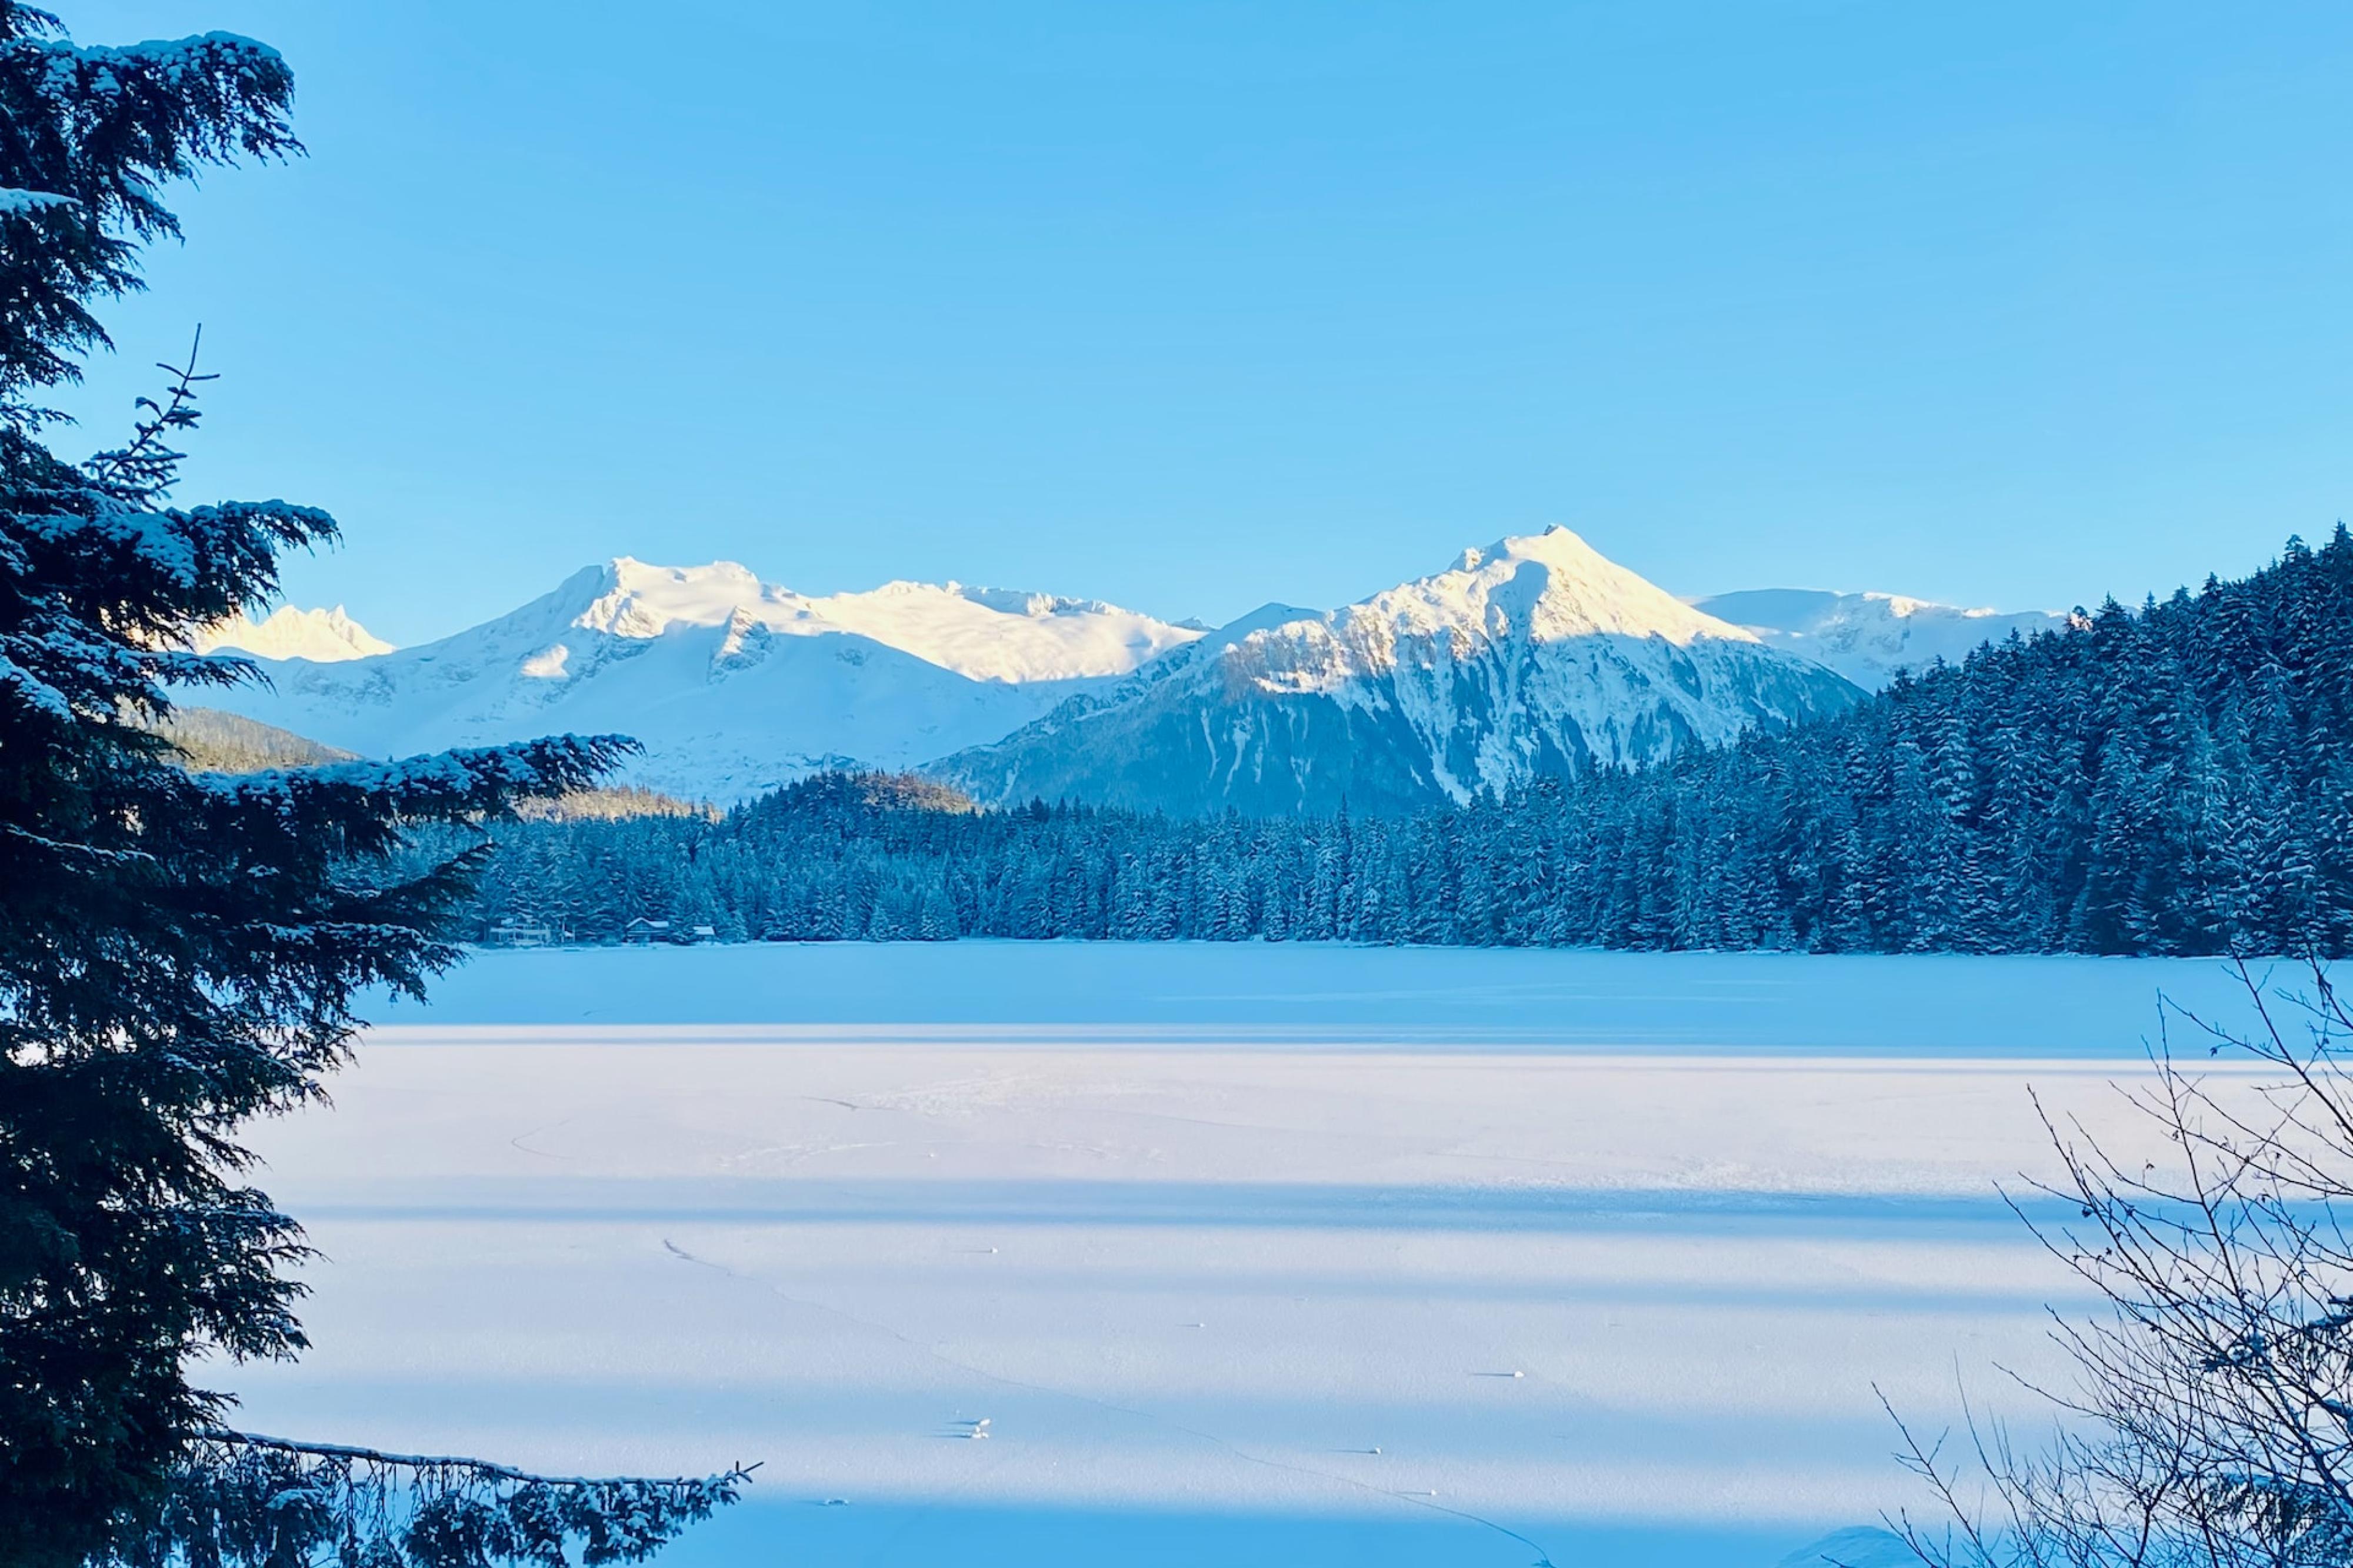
column 1903, row 607
column 997, row 634
column 642, row 600
column 1867, row 637
column 1016, row 601
column 734, row 685
column 322, row 637
column 1006, row 600
column 1524, row 589
column 1548, row 586
column 986, row 634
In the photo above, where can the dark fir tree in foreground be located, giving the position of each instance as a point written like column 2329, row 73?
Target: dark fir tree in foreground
column 179, row 952
column 2175, row 781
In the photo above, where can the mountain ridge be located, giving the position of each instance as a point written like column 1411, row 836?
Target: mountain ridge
column 734, row 685
column 1534, row 654
column 1867, row 637
column 321, row 636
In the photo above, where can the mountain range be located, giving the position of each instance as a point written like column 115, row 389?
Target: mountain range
column 1532, row 656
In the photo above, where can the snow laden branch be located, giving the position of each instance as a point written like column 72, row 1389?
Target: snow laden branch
column 2209, row 1424
column 443, row 787
column 239, row 1499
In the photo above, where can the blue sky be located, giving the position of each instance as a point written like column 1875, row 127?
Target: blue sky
column 1192, row 306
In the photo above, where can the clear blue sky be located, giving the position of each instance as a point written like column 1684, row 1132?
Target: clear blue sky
column 1191, row 306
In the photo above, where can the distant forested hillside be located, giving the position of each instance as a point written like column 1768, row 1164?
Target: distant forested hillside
column 2175, row 780
column 209, row 741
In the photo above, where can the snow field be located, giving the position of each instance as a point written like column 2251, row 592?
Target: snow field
column 841, row 1212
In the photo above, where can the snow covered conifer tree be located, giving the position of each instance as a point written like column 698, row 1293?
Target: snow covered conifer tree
column 179, row 953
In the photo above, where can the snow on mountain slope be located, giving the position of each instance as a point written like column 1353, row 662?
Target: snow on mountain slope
column 991, row 634
column 323, row 636
column 1535, row 656
column 1867, row 637
column 734, row 685
column 987, row 634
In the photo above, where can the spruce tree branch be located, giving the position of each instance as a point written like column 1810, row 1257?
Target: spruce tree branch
column 481, row 1468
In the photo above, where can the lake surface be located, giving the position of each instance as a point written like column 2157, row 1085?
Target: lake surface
column 1256, row 1255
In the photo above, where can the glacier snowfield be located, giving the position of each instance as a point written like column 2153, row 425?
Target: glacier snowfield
column 1253, row 1255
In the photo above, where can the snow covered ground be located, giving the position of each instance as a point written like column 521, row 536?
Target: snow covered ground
column 1248, row 1255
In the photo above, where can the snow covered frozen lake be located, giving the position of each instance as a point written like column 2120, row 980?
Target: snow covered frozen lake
column 1254, row 1255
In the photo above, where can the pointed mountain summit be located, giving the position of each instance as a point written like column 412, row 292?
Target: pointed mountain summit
column 1535, row 655
column 734, row 685
column 322, row 637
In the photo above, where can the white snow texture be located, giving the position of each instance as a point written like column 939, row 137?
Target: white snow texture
column 1237, row 1249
